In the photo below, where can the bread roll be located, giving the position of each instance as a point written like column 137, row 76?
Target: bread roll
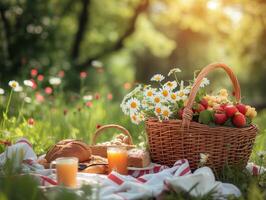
column 96, row 169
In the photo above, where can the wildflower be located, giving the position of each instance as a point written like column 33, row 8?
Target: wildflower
column 61, row 73
column 89, row 104
column 18, row 89
column 135, row 119
column 157, row 77
column 97, row 64
column 27, row 99
column 34, row 72
column 157, row 99
column 48, row 90
column 165, row 93
column 204, row 82
column 251, row 112
column 2, row 91
column 204, row 158
column 40, row 77
column 158, row 109
column 31, row 121
column 13, row 84
column 170, row 85
column 110, row 96
column 174, row 70
column 149, row 92
column 34, row 86
column 173, row 97
column 223, row 93
column 55, row 81
column 182, row 95
column 166, row 112
column 39, row 97
column 28, row 83
column 97, row 96
column 127, row 86
column 261, row 154
column 133, row 105
column 83, row 74
column 87, row 97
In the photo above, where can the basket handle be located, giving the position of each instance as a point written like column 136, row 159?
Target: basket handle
column 102, row 128
column 188, row 113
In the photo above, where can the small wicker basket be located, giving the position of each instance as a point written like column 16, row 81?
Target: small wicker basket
column 101, row 150
column 176, row 139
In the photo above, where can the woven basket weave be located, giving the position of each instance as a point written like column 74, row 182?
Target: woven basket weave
column 176, row 139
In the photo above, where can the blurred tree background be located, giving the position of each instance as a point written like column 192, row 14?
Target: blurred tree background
column 136, row 37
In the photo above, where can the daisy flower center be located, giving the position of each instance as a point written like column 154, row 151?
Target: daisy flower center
column 181, row 93
column 173, row 96
column 165, row 93
column 149, row 93
column 133, row 105
column 158, row 110
column 157, row 100
column 165, row 113
column 170, row 84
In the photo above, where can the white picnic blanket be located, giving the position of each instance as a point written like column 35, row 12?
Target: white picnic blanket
column 117, row 186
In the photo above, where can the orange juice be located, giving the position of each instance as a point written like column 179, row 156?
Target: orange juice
column 66, row 171
column 117, row 159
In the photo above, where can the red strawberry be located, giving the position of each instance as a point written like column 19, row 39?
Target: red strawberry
column 220, row 118
column 180, row 113
column 223, row 105
column 204, row 102
column 198, row 108
column 241, row 108
column 230, row 110
column 239, row 120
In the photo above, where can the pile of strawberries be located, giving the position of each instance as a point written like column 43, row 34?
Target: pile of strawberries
column 221, row 111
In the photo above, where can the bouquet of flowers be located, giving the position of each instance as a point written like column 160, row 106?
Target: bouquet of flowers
column 166, row 100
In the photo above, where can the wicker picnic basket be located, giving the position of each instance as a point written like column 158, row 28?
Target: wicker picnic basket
column 176, row 139
column 101, row 150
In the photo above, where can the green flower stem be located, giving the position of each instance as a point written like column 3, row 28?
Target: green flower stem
column 8, row 103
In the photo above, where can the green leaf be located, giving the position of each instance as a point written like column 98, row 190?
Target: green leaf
column 206, row 117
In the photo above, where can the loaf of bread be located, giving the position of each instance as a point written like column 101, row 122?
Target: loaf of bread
column 138, row 158
column 96, row 169
column 69, row 148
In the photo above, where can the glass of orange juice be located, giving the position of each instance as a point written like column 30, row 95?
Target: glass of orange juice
column 117, row 159
column 66, row 171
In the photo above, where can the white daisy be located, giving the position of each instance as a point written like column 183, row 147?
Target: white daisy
column 13, row 84
column 157, row 77
column 164, row 93
column 173, row 97
column 87, row 97
column 181, row 95
column 2, row 91
column 170, row 85
column 18, row 89
column 135, row 119
column 204, row 82
column 124, row 108
column 174, row 70
column 133, row 104
column 55, row 81
column 157, row 99
column 28, row 83
column 158, row 110
column 149, row 92
column 166, row 112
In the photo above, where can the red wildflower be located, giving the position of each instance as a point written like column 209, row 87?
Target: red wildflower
column 97, row 96
column 83, row 74
column 40, row 77
column 61, row 73
column 31, row 121
column 39, row 97
column 34, row 72
column 127, row 86
column 110, row 96
column 89, row 104
column 48, row 90
column 34, row 84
